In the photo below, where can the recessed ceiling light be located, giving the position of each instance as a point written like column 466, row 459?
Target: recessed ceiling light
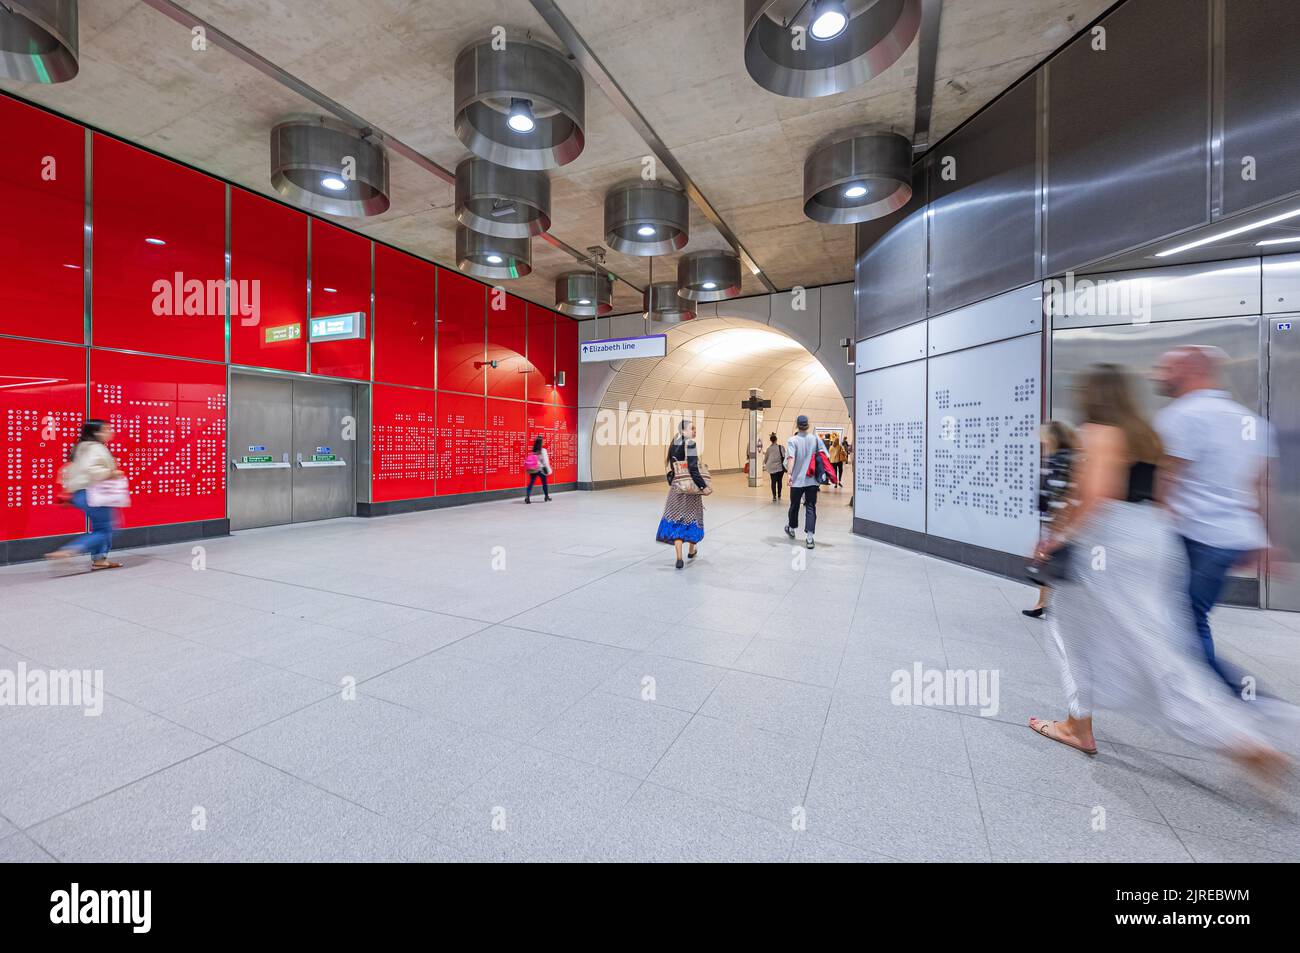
column 154, row 241
column 1267, row 241
column 584, row 301
column 521, row 116
column 709, row 285
column 646, row 230
column 494, row 259
column 1229, row 233
column 333, row 183
column 855, row 191
column 828, row 20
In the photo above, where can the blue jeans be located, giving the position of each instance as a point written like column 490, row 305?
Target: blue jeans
column 100, row 538
column 1209, row 566
column 533, row 478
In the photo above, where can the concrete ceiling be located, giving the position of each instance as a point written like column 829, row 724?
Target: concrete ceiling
column 679, row 61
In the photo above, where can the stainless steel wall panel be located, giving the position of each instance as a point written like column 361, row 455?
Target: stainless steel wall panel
column 994, row 319
column 1281, row 284
column 1127, row 137
column 890, row 270
column 1283, row 590
column 319, row 412
column 1178, row 292
column 985, row 203
column 892, row 347
column 1261, row 102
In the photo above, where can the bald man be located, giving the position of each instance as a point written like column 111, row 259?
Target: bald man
column 1212, row 476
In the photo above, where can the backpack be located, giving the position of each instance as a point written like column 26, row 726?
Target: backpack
column 531, row 463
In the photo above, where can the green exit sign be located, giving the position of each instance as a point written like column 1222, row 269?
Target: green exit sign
column 283, row 332
column 323, row 458
column 259, row 458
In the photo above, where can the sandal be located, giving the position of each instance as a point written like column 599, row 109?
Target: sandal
column 1042, row 728
column 106, row 564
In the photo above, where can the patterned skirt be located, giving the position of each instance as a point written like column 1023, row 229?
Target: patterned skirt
column 683, row 517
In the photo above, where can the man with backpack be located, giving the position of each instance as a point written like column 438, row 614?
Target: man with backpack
column 802, row 452
column 774, row 464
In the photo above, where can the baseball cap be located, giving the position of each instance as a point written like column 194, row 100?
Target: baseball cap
column 801, row 422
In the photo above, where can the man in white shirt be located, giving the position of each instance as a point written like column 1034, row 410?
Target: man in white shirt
column 1213, row 476
column 799, row 451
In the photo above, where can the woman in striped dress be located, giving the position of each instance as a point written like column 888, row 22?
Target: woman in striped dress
column 1122, row 617
column 683, row 517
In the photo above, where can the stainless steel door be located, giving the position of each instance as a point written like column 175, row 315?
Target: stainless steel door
column 1138, row 346
column 1283, row 590
column 260, row 445
column 322, row 415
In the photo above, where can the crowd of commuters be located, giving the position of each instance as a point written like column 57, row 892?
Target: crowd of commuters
column 1146, row 519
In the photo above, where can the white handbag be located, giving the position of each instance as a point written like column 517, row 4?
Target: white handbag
column 113, row 492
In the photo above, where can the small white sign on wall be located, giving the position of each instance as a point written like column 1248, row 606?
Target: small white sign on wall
column 622, row 349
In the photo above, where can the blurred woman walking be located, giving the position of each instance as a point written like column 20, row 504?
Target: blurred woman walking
column 1121, row 613
column 84, row 477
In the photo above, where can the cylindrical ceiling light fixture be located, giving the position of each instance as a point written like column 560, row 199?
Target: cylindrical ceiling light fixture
column 661, row 302
column 491, row 256
column 809, row 48
column 708, row 275
column 855, row 177
column 584, row 294
column 646, row 218
column 323, row 165
column 38, row 40
column 495, row 200
column 521, row 106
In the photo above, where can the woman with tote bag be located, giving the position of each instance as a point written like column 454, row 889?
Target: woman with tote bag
column 688, row 484
column 97, row 487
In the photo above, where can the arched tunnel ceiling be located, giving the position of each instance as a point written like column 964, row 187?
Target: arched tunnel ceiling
column 709, row 369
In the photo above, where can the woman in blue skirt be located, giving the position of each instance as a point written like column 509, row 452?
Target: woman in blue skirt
column 683, row 519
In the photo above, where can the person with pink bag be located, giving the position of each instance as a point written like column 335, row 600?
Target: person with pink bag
column 96, row 486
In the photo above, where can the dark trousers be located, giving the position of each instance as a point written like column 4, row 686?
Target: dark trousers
column 807, row 495
column 100, row 538
column 1209, row 566
column 776, row 484
column 839, row 472
column 533, row 478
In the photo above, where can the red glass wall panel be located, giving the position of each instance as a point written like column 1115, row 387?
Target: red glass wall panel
column 170, row 422
column 42, row 404
column 541, row 353
column 268, row 294
column 340, row 282
column 507, row 344
column 559, row 428
column 566, row 360
column 404, row 318
column 507, row 442
column 462, row 440
column 461, row 352
column 160, row 255
column 404, row 453
column 42, row 196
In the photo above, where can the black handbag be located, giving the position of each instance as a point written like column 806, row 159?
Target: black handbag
column 1054, row 570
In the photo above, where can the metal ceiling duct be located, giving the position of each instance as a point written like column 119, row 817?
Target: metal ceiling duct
column 521, row 106
column 708, row 275
column 38, row 40
column 855, row 177
column 495, row 200
column 324, row 165
column 661, row 302
column 491, row 256
column 646, row 218
column 584, row 294
column 791, row 63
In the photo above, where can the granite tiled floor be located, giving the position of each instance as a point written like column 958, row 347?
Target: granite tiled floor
column 493, row 682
